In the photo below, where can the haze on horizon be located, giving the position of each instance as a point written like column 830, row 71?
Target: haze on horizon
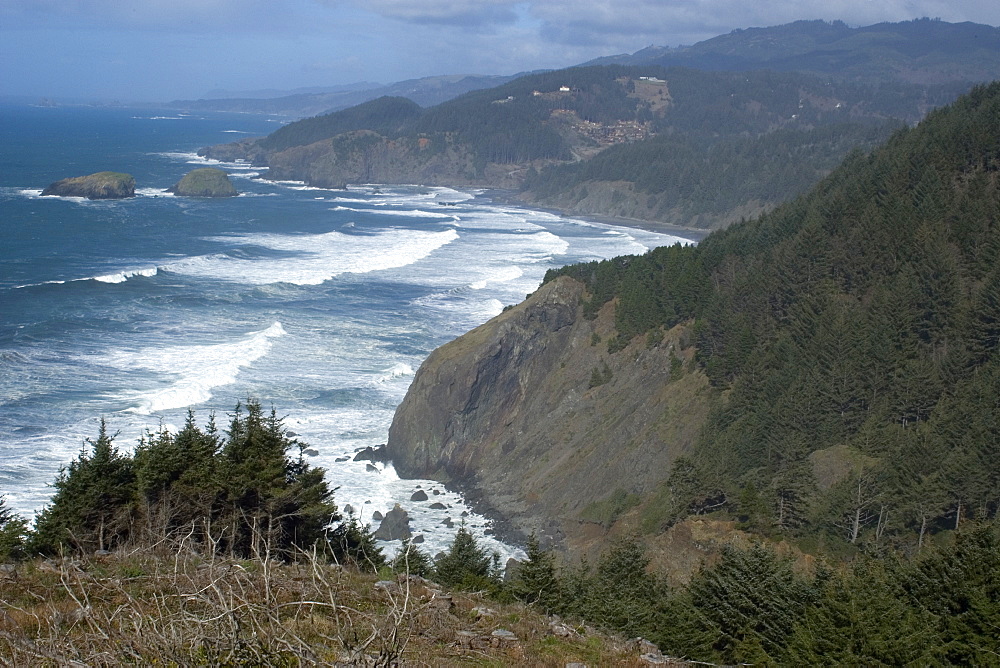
column 158, row 50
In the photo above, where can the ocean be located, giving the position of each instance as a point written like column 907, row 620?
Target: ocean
column 320, row 303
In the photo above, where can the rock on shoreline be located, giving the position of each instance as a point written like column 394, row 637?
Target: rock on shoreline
column 100, row 185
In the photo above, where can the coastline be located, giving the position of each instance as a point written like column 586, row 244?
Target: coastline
column 510, row 197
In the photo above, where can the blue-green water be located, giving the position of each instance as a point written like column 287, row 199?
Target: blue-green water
column 320, row 302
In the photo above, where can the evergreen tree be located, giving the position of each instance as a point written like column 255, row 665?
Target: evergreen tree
column 752, row 600
column 862, row 619
column 536, row 580
column 13, row 530
column 412, row 560
column 466, row 565
column 94, row 500
column 353, row 542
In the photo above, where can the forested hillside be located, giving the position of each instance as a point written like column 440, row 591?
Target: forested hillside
column 677, row 146
column 851, row 337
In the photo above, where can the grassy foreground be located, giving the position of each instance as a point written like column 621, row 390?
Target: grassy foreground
column 156, row 607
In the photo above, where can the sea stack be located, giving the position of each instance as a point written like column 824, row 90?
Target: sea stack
column 101, row 185
column 204, row 182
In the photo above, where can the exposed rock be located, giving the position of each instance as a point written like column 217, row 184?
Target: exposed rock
column 437, row 505
column 395, row 525
column 448, row 522
column 371, row 468
column 204, row 182
column 342, row 459
column 387, row 586
column 378, row 516
column 507, row 412
column 480, row 612
column 510, row 569
column 376, row 454
column 101, row 185
column 418, row 539
column 419, row 495
column 311, row 452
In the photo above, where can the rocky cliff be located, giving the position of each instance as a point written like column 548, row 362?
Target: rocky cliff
column 101, row 185
column 535, row 420
column 363, row 156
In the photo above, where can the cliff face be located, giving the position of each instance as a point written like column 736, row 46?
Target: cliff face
column 364, row 156
column 532, row 416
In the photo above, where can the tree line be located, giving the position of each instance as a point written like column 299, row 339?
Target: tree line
column 856, row 325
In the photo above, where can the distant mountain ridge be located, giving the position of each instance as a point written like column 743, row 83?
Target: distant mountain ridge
column 924, row 51
column 426, row 91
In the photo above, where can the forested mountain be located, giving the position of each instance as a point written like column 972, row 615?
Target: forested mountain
column 918, row 51
column 826, row 374
column 643, row 142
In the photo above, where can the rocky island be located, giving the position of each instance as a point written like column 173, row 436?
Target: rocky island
column 100, row 185
column 204, row 182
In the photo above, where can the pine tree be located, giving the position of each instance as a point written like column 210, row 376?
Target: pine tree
column 411, row 560
column 537, row 581
column 466, row 565
column 862, row 619
column 94, row 499
column 353, row 542
column 13, row 531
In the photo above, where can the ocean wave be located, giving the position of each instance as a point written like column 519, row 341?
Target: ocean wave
column 398, row 370
column 502, row 275
column 318, row 257
column 123, row 276
column 412, row 213
column 192, row 158
column 116, row 277
column 198, row 368
column 153, row 192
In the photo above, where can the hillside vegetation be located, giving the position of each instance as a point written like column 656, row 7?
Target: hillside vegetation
column 851, row 338
column 644, row 142
column 920, row 51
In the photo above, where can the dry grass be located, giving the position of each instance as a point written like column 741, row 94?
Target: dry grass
column 158, row 608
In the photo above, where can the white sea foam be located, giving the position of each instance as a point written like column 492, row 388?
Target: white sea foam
column 196, row 369
column 351, row 200
column 502, row 275
column 116, row 277
column 398, row 370
column 195, row 159
column 318, row 257
column 123, row 276
column 153, row 192
column 412, row 213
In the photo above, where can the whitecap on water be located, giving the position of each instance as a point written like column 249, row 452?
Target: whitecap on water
column 194, row 370
column 317, row 257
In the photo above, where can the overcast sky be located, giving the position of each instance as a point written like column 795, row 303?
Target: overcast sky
column 157, row 50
